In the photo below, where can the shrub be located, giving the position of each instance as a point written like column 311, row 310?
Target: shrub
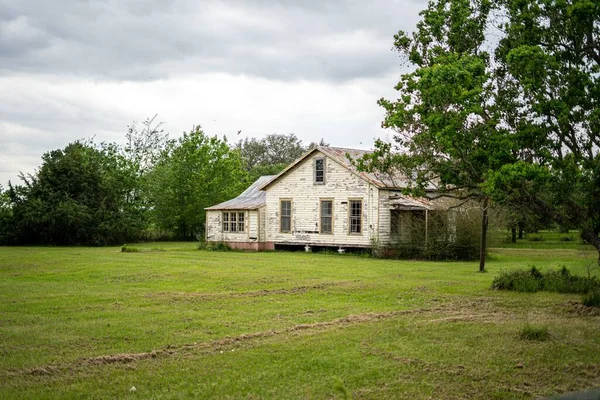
column 532, row 280
column 591, row 299
column 536, row 239
column 519, row 280
column 539, row 333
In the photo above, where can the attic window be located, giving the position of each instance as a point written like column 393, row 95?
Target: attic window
column 319, row 171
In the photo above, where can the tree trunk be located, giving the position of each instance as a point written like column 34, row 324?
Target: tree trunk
column 593, row 239
column 484, row 227
column 513, row 235
column 520, row 230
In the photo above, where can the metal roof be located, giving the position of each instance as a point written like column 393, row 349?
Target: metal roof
column 250, row 199
column 411, row 203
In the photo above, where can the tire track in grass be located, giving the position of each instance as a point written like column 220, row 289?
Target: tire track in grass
column 450, row 310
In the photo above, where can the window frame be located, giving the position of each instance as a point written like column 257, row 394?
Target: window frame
column 360, row 216
column 233, row 221
column 225, row 221
column 241, row 217
column 321, row 216
column 281, row 216
column 315, row 170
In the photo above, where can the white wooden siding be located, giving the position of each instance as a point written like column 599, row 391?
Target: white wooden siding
column 262, row 213
column 385, row 222
column 253, row 225
column 340, row 186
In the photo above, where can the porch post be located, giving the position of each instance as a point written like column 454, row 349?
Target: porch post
column 426, row 225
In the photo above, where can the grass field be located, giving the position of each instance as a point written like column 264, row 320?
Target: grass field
column 545, row 239
column 182, row 323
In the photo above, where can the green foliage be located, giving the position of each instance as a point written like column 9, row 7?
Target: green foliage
column 591, row 299
column 549, row 56
column 80, row 195
column 538, row 333
column 273, row 149
column 533, row 280
column 194, row 172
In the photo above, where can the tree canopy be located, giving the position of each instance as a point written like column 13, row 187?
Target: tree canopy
column 515, row 120
column 194, row 172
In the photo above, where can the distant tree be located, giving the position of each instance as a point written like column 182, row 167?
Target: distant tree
column 194, row 172
column 144, row 146
column 321, row 143
column 271, row 154
column 270, row 150
column 78, row 196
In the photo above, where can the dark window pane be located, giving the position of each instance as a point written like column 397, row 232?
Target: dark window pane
column 326, row 216
column 225, row 222
column 286, row 216
column 320, row 170
column 355, row 216
column 241, row 222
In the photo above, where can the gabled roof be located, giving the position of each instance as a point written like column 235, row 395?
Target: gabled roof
column 340, row 155
column 250, row 199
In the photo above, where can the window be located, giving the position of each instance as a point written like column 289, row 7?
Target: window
column 241, row 222
column 319, row 170
column 355, row 216
column 233, row 218
column 225, row 222
column 285, row 209
column 233, row 222
column 326, row 216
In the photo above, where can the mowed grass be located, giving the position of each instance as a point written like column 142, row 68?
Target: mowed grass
column 94, row 323
column 544, row 239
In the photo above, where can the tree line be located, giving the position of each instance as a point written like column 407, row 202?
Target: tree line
column 152, row 187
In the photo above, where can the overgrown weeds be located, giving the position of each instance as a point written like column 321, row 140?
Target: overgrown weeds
column 591, row 299
column 533, row 280
column 539, row 333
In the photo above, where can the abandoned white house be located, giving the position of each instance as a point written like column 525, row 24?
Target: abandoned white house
column 321, row 200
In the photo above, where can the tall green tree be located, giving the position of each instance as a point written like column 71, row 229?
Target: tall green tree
column 449, row 136
column 551, row 53
column 78, row 196
column 194, row 172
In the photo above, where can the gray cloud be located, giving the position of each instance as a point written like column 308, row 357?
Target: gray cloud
column 146, row 40
column 72, row 69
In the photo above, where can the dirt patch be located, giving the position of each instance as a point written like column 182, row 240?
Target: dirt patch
column 577, row 308
column 122, row 358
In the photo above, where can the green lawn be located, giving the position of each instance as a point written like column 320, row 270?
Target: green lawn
column 544, row 239
column 95, row 322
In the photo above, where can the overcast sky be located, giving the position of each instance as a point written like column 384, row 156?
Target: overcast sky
column 72, row 69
